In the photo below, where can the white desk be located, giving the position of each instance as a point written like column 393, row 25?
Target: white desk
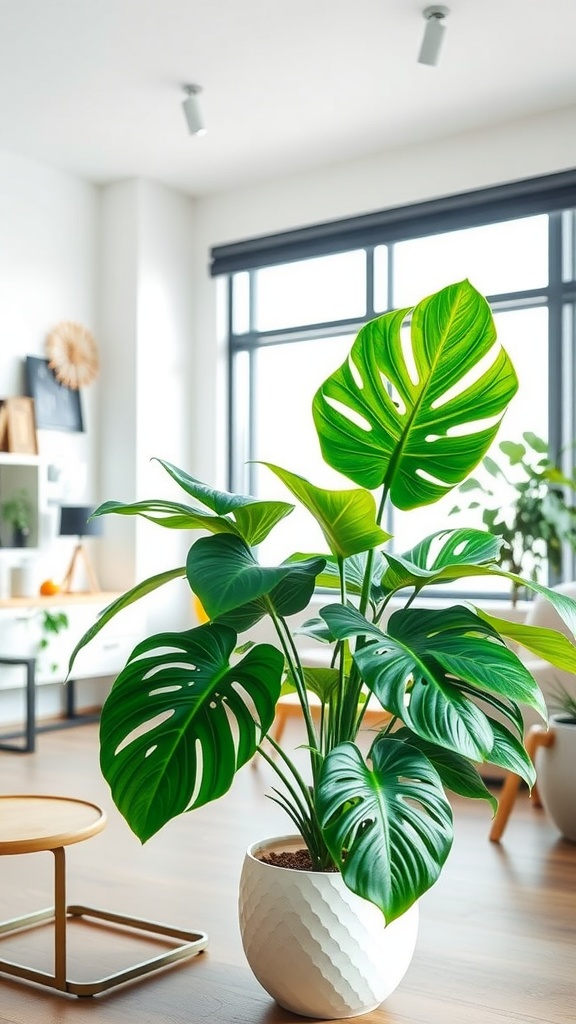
column 20, row 634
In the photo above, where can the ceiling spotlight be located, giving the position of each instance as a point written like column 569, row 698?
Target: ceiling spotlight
column 191, row 109
column 433, row 35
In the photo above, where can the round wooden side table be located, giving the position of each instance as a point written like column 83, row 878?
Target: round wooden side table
column 31, row 824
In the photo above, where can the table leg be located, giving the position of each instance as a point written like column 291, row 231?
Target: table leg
column 538, row 736
column 60, row 917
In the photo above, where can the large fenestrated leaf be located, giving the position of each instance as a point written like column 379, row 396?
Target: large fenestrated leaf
column 235, row 589
column 388, row 827
column 347, row 518
column 180, row 720
column 414, row 670
column 420, row 434
column 409, row 574
column 456, row 772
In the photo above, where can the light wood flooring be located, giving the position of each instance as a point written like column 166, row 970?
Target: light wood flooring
column 497, row 941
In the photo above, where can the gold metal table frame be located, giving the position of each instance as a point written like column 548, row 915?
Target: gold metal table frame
column 30, row 824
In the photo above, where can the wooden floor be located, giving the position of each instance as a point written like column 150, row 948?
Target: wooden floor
column 497, row 940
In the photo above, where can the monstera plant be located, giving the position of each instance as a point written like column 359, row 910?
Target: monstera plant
column 190, row 708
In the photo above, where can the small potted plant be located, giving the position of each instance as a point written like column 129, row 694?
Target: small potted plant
column 17, row 511
column 528, row 504
column 190, row 708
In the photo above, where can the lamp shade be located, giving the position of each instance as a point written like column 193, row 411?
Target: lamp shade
column 75, row 521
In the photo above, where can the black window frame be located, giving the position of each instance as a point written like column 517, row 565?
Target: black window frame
column 553, row 195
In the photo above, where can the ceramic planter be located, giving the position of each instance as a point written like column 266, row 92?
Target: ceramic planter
column 556, row 772
column 317, row 948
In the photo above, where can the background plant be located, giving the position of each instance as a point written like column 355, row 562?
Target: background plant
column 52, row 623
column 563, row 702
column 191, row 707
column 17, row 510
column 529, row 507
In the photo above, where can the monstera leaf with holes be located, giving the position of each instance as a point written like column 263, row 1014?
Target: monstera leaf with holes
column 417, row 430
column 407, row 417
column 183, row 701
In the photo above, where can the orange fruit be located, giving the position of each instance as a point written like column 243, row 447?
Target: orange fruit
column 48, row 588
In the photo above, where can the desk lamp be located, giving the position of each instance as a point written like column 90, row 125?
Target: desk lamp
column 75, row 522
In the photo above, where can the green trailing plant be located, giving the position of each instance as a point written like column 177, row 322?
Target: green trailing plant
column 190, row 708
column 51, row 624
column 528, row 504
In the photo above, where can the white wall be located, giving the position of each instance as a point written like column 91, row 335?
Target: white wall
column 48, row 272
column 147, row 341
column 522, row 149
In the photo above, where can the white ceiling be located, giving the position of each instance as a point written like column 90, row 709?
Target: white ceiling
column 95, row 86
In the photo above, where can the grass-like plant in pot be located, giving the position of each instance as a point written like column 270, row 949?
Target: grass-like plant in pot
column 190, row 708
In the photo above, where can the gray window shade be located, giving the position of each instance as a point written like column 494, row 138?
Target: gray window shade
column 502, row 202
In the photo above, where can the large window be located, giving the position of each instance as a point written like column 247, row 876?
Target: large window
column 292, row 320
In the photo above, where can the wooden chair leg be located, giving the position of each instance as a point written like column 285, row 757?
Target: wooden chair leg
column 537, row 736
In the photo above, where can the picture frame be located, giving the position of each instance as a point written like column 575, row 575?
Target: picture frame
column 56, row 406
column 18, row 426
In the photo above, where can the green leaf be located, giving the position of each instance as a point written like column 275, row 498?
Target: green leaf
column 414, row 670
column 354, row 572
column 180, row 720
column 347, row 518
column 548, row 644
column 377, row 425
column 437, row 552
column 255, row 522
column 507, row 752
column 470, row 485
column 316, row 629
column 169, row 514
column 321, row 681
column 388, row 828
column 220, row 502
column 456, row 772
column 535, row 442
column 514, row 451
column 253, row 519
column 493, row 468
column 235, row 589
column 118, row 605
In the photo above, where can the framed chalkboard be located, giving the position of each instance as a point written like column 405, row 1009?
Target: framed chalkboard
column 56, row 407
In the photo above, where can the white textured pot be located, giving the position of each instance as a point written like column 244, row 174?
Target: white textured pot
column 317, row 948
column 556, row 773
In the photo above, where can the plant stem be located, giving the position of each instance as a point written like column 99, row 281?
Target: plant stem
column 293, row 659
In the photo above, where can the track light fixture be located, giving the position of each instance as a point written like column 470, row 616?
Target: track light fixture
column 191, row 109
column 435, row 18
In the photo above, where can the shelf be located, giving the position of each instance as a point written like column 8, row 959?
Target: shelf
column 103, row 598
column 14, row 459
